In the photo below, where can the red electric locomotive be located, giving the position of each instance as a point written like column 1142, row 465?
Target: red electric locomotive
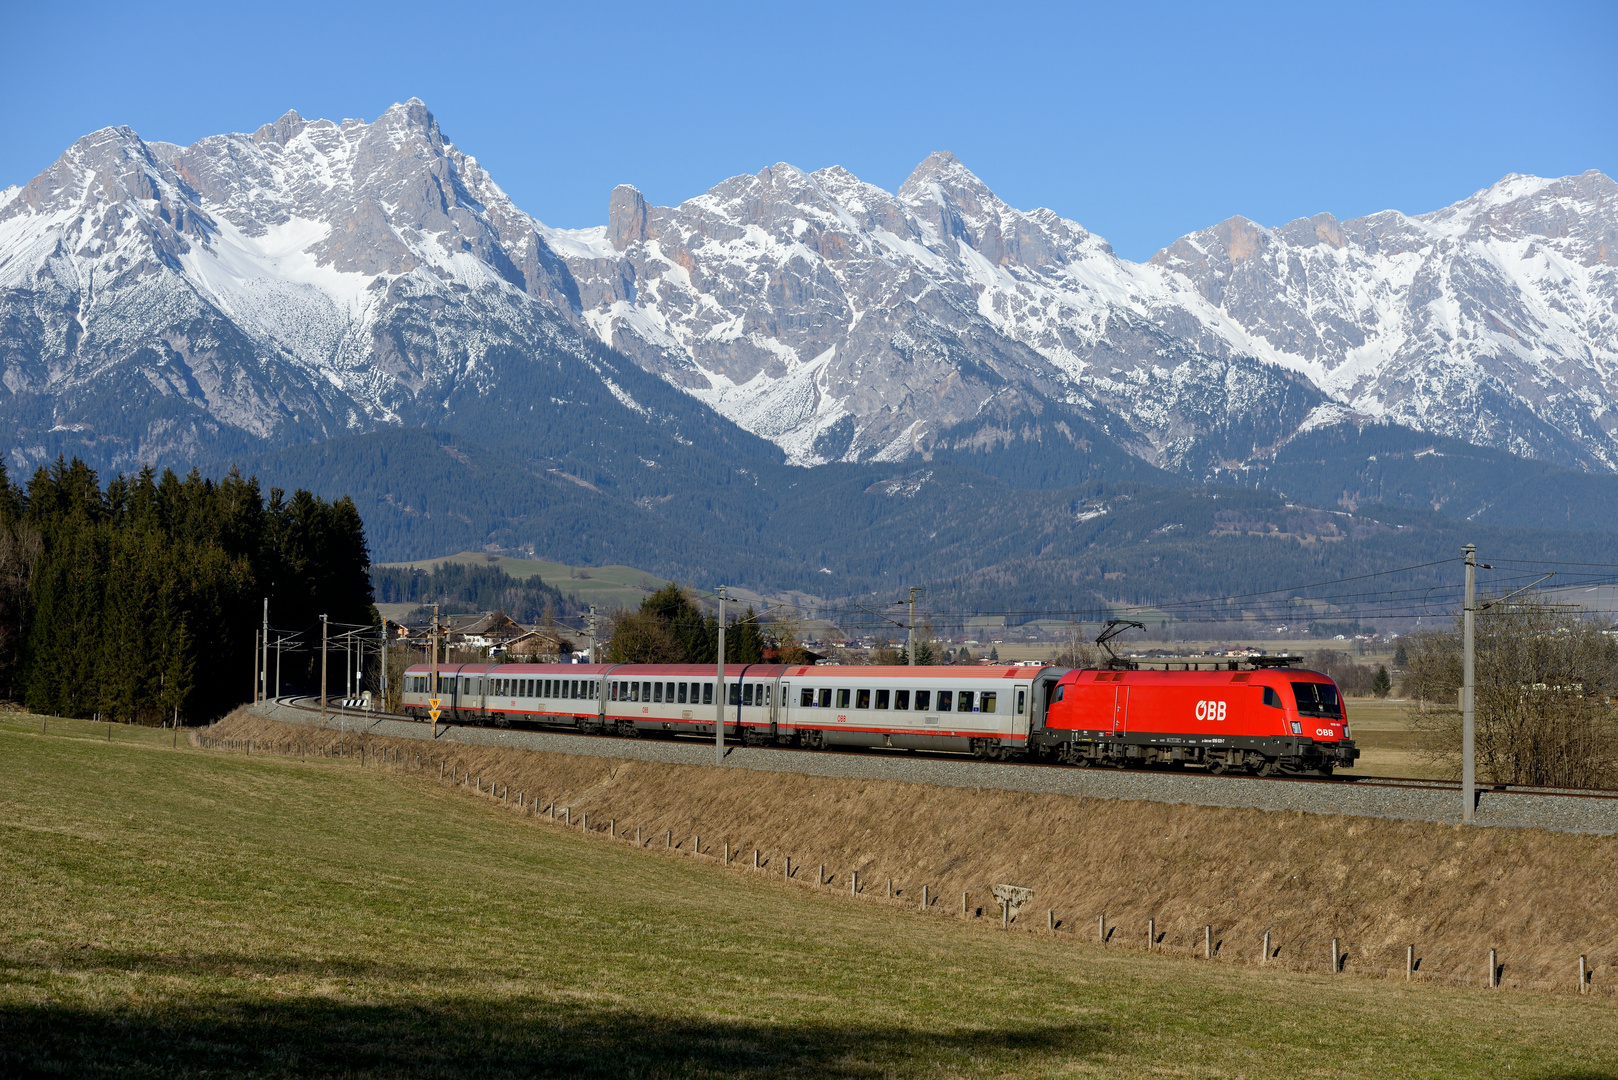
column 1261, row 721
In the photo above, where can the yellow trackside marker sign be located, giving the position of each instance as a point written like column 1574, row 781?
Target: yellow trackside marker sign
column 433, row 702
column 434, row 714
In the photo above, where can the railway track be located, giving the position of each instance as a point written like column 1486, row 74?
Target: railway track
column 1405, row 798
column 1406, row 783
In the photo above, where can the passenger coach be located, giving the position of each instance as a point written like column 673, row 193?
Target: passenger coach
column 984, row 711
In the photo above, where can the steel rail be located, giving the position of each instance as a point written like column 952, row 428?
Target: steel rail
column 1407, row 783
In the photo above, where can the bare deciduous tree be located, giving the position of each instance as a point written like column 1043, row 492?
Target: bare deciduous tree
column 1544, row 710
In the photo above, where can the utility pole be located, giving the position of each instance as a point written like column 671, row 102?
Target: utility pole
column 255, row 665
column 592, row 622
column 265, row 669
column 433, row 644
column 323, row 671
column 382, row 662
column 1468, row 684
column 278, row 642
column 719, row 690
column 910, row 646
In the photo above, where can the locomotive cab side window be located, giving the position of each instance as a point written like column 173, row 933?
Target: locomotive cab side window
column 1271, row 698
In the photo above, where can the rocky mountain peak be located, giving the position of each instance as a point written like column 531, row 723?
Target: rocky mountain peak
column 626, row 217
column 283, row 130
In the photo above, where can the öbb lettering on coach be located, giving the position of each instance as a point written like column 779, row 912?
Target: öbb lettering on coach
column 1263, row 721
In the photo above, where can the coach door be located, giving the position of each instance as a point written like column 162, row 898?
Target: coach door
column 1120, row 710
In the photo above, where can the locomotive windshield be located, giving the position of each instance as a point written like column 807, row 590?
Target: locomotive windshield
column 1317, row 699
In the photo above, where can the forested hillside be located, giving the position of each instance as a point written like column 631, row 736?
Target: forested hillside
column 139, row 600
column 460, row 589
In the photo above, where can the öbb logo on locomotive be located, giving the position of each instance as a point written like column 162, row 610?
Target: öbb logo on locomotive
column 1222, row 719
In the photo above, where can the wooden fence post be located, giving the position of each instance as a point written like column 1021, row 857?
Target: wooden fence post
column 1151, row 934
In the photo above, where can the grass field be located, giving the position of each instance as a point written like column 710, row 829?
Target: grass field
column 178, row 912
column 606, row 587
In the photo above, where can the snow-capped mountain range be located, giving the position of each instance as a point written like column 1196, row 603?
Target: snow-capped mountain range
column 159, row 303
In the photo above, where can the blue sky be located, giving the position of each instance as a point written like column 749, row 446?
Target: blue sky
column 1141, row 121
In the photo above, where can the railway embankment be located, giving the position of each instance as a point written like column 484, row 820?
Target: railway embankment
column 1371, row 797
column 1369, row 891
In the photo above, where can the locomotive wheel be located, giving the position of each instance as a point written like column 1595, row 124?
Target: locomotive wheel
column 1269, row 768
column 1217, row 767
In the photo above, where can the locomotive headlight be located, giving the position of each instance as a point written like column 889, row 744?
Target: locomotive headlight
column 1346, row 735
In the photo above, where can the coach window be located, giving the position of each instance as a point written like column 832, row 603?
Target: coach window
column 965, row 702
column 924, row 699
column 882, row 698
column 901, row 699
column 825, row 699
column 807, row 698
column 668, row 692
column 946, row 698
column 735, row 693
column 843, row 697
column 657, row 691
column 707, row 693
column 1022, row 701
column 862, row 699
column 991, row 702
column 747, row 694
column 682, row 693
